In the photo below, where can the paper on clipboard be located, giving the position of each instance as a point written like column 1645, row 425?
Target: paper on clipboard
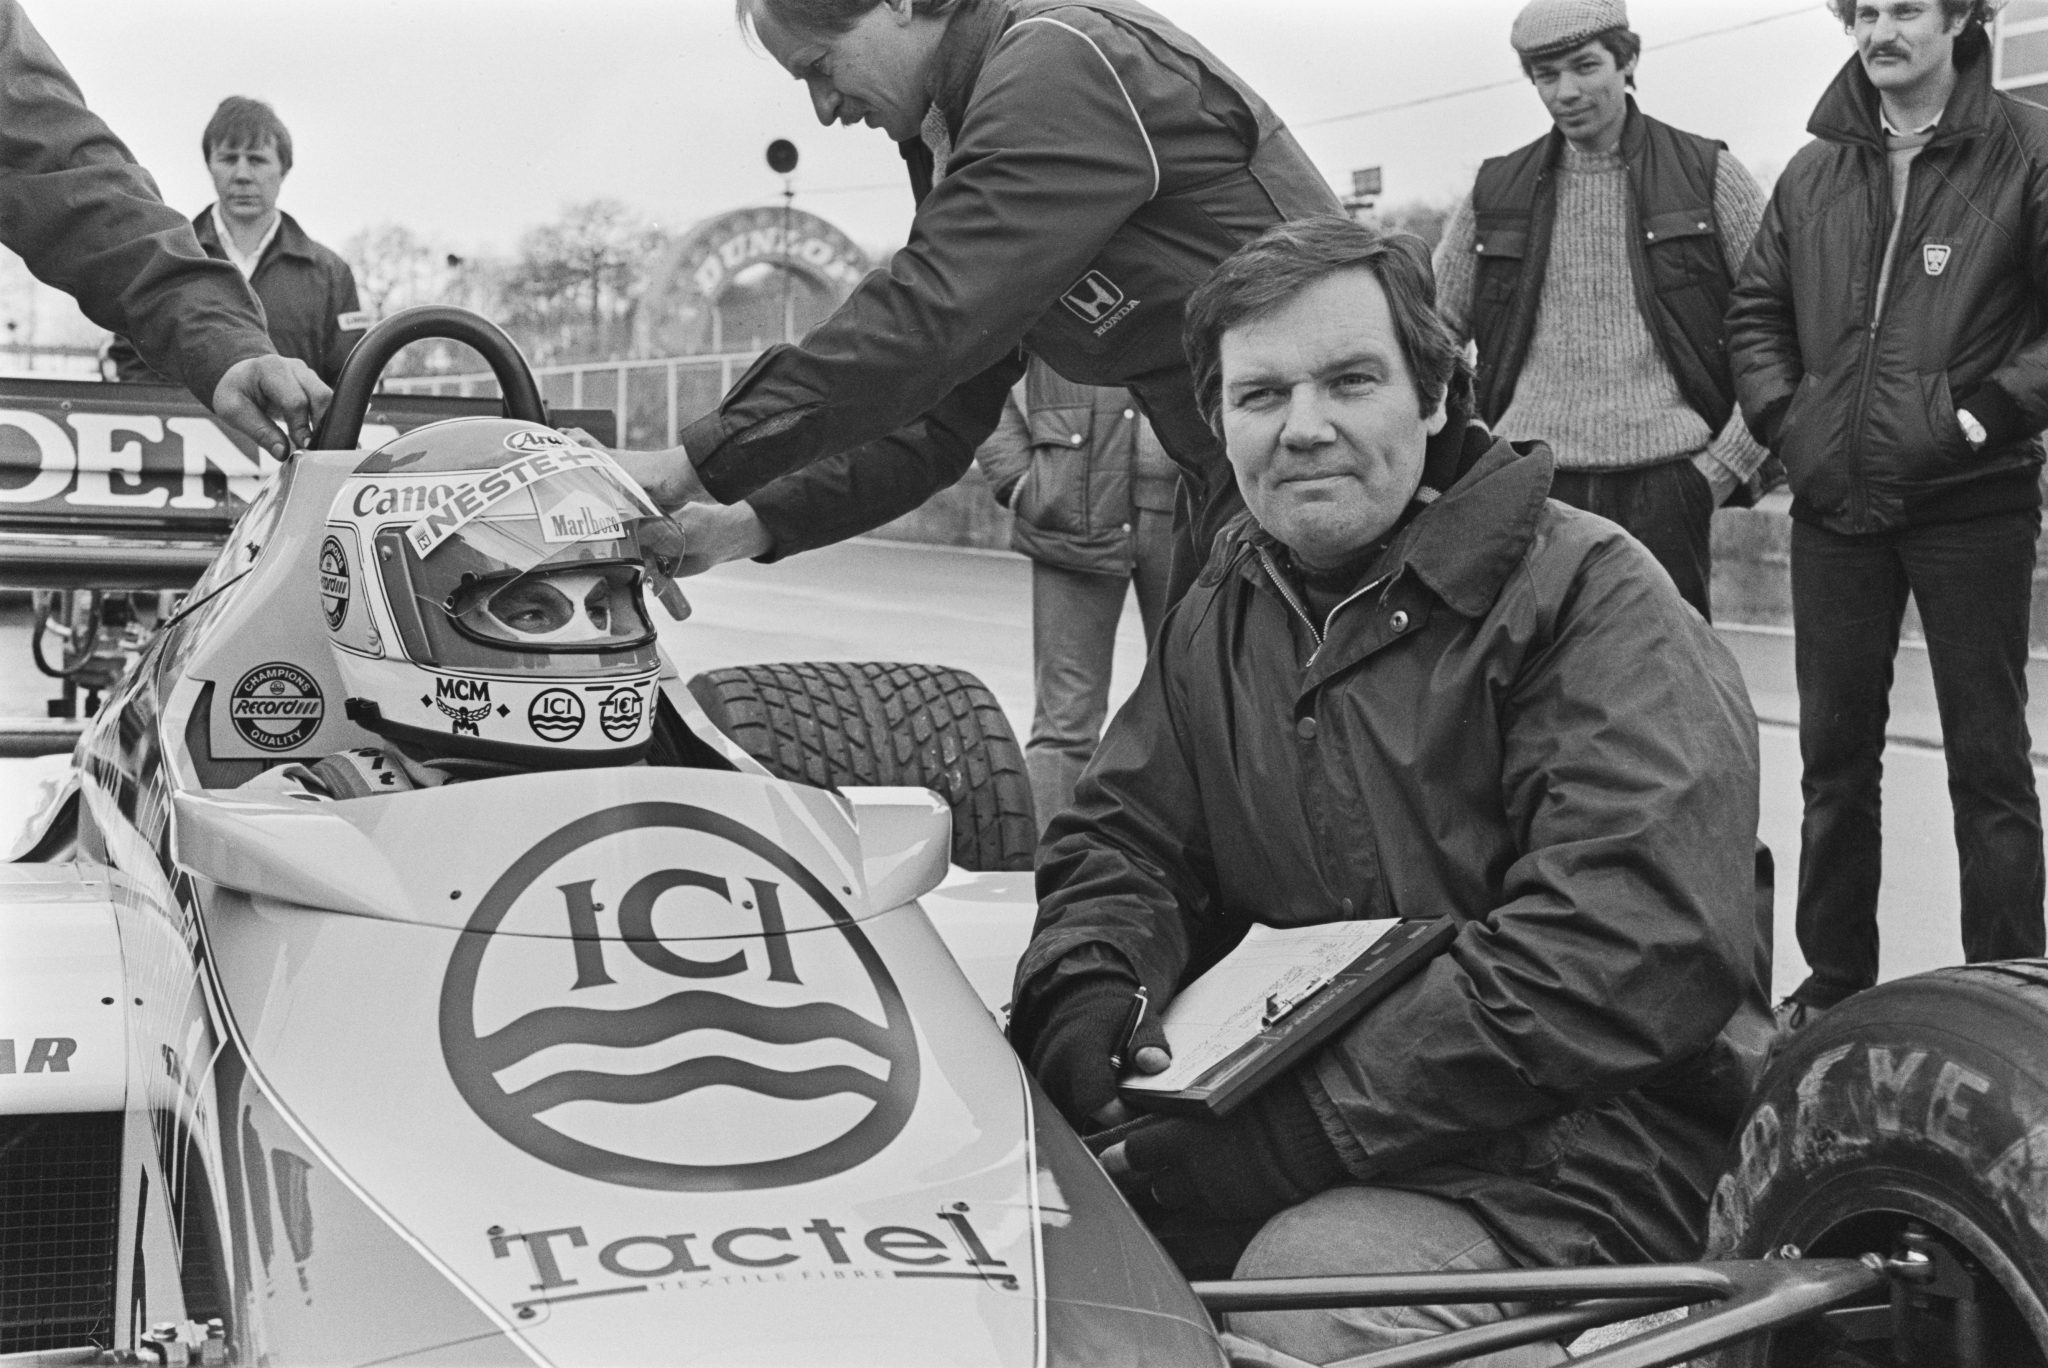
column 1272, row 969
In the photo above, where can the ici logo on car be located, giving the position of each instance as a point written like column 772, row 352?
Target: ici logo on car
column 659, row 997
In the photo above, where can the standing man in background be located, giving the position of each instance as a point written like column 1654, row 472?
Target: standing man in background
column 87, row 220
column 308, row 292
column 1592, row 269
column 1890, row 338
column 1092, row 491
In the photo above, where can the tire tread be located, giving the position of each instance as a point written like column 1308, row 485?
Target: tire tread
column 861, row 723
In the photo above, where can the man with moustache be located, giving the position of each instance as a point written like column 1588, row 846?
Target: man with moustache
column 1890, row 344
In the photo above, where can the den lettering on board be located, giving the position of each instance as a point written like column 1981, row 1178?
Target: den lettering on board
column 125, row 460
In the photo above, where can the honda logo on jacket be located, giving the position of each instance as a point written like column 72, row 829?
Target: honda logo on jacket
column 1092, row 297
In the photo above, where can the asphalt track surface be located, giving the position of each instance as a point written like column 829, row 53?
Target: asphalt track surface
column 873, row 600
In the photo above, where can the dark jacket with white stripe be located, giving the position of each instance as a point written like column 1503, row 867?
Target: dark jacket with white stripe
column 1102, row 164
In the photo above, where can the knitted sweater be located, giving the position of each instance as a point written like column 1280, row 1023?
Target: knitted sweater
column 1594, row 386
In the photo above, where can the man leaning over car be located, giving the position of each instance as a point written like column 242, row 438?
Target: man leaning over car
column 1407, row 684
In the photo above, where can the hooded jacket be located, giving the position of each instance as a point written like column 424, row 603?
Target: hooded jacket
column 1518, row 724
column 1860, row 404
column 1102, row 164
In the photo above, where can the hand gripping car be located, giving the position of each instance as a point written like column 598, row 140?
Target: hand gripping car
column 409, row 970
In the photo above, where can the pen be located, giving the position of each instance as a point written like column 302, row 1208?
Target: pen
column 1129, row 1035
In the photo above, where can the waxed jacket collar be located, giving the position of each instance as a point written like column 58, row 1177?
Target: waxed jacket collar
column 1465, row 544
column 1848, row 110
column 291, row 240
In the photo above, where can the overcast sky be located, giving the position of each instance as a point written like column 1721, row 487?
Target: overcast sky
column 471, row 120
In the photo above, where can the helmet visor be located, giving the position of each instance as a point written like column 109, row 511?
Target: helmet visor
column 549, row 564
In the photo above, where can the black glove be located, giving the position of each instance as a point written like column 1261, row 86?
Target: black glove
column 1266, row 1156
column 1074, row 1032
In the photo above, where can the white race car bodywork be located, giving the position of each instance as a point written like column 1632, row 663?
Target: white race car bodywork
column 660, row 1064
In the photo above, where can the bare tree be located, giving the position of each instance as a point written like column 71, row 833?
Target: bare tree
column 573, row 285
column 396, row 268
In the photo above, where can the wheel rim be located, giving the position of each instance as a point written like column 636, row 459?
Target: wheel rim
column 1871, row 1211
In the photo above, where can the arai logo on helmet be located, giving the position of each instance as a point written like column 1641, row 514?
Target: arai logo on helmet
column 536, row 439
column 333, row 583
column 628, row 1006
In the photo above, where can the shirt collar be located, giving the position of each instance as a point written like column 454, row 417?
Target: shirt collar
column 1920, row 132
column 245, row 264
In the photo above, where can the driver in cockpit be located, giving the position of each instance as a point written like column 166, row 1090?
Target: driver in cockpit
column 481, row 581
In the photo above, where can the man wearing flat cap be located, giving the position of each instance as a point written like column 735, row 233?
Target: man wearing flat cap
column 1592, row 269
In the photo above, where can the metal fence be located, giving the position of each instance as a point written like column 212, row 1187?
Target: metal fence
column 652, row 398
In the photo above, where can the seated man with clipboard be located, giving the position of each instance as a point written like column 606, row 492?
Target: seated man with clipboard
column 1408, row 685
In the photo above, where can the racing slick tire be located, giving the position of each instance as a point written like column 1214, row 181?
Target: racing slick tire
column 1920, row 1104
column 828, row 723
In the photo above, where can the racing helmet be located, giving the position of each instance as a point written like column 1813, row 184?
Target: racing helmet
column 482, row 582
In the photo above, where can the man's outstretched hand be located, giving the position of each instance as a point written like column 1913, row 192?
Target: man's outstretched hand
column 714, row 533
column 272, row 400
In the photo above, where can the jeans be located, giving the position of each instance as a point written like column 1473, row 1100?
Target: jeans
column 1355, row 1229
column 1669, row 508
column 1972, row 581
column 1073, row 642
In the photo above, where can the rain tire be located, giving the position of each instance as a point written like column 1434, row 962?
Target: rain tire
column 1924, row 1100
column 834, row 723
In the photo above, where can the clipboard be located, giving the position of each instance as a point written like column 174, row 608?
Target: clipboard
column 1277, row 1020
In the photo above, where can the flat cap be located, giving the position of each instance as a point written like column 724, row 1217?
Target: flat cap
column 1547, row 25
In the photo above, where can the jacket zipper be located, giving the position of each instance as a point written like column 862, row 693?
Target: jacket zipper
column 1301, row 610
column 1895, row 235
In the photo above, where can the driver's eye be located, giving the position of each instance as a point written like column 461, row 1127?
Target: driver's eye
column 532, row 607
column 597, row 606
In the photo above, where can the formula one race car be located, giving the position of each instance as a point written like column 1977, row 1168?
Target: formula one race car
column 681, row 1062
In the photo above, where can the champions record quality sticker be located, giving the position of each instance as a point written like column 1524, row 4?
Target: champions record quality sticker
column 276, row 706
column 629, row 1004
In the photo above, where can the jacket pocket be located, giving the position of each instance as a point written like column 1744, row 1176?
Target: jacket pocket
column 1683, row 250
column 1951, row 445
column 1817, row 470
column 1911, row 434
column 1496, row 287
column 1053, row 496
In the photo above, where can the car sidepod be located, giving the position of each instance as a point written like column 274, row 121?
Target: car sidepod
column 623, row 1066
